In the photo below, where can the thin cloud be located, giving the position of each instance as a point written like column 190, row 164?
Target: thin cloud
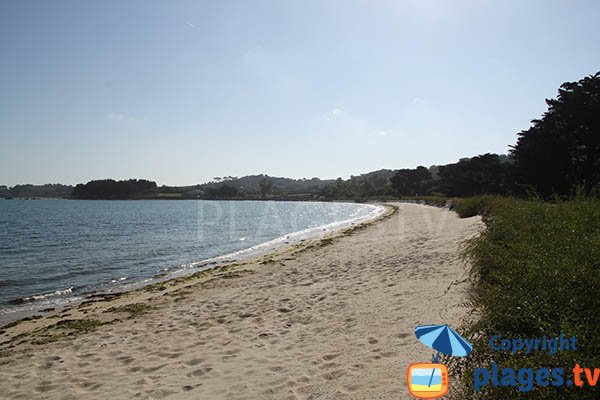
column 191, row 25
column 418, row 100
column 335, row 113
column 382, row 133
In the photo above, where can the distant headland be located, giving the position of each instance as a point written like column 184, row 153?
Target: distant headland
column 484, row 174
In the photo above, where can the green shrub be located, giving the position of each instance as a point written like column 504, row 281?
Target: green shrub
column 477, row 205
column 536, row 271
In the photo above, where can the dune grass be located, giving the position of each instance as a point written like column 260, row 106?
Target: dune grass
column 477, row 205
column 536, row 272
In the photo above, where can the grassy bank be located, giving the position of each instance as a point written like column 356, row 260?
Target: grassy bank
column 536, row 272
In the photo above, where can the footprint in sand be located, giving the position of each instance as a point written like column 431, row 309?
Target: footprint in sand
column 332, row 375
column 352, row 387
column 329, row 365
column 126, row 359
column 329, row 357
column 194, row 361
column 200, row 372
column 152, row 369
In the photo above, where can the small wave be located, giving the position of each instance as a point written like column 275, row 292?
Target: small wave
column 39, row 297
column 66, row 295
column 375, row 211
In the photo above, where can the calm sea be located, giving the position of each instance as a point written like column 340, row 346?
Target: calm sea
column 53, row 252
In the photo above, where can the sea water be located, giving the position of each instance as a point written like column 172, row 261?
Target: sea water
column 55, row 252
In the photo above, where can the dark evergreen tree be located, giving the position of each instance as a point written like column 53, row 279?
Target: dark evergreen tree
column 562, row 149
column 111, row 189
column 411, row 182
column 483, row 174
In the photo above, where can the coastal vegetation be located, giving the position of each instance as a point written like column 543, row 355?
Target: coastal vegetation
column 111, row 189
column 535, row 270
column 487, row 173
column 562, row 149
column 29, row 191
column 535, row 273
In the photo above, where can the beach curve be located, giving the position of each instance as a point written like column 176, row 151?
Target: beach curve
column 327, row 318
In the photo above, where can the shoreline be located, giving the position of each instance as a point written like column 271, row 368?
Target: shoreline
column 265, row 315
column 218, row 263
column 29, row 308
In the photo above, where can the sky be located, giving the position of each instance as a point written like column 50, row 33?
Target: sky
column 180, row 92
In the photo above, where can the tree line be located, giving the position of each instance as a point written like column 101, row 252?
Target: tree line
column 111, row 190
column 557, row 155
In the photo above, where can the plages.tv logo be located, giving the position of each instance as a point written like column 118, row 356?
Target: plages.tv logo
column 429, row 380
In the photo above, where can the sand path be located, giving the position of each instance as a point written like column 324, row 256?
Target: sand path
column 334, row 321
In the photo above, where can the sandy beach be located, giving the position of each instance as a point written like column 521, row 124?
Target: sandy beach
column 329, row 318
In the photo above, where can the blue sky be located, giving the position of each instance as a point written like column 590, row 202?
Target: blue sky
column 182, row 91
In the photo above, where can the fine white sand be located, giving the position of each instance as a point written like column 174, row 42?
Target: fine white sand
column 330, row 319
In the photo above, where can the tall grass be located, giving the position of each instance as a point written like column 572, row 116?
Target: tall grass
column 477, row 205
column 536, row 271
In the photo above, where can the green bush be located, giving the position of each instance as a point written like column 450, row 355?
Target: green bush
column 431, row 200
column 477, row 205
column 536, row 271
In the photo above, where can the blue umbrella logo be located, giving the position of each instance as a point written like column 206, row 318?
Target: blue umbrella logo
column 443, row 339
